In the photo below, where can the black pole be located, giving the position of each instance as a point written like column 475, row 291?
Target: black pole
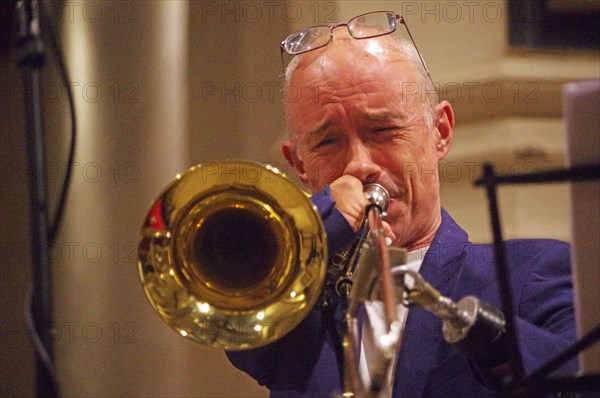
column 30, row 55
column 577, row 173
column 538, row 382
column 502, row 274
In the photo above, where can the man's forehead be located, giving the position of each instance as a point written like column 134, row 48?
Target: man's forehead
column 373, row 86
column 330, row 71
column 344, row 48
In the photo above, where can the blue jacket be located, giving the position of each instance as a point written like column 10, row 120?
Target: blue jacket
column 307, row 362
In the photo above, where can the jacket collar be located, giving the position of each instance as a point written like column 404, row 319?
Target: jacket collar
column 423, row 331
column 447, row 246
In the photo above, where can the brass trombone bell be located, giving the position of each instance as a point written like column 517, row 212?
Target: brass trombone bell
column 232, row 255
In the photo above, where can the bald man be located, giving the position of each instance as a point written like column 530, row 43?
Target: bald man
column 369, row 113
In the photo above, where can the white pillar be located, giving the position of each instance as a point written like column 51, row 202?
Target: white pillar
column 128, row 65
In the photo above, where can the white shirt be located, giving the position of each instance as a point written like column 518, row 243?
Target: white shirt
column 374, row 327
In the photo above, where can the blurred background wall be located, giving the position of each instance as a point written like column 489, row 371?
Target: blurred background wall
column 162, row 85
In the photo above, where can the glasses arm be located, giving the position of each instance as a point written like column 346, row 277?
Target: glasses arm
column 403, row 22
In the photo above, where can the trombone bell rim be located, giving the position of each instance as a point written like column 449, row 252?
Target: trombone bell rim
column 186, row 257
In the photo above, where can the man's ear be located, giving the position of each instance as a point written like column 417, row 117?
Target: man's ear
column 444, row 124
column 289, row 151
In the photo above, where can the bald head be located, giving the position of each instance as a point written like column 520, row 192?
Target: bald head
column 346, row 56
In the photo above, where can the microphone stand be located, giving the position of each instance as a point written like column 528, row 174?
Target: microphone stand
column 31, row 57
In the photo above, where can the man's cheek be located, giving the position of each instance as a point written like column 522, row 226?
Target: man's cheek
column 325, row 172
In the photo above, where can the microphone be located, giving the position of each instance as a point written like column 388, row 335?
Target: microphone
column 476, row 327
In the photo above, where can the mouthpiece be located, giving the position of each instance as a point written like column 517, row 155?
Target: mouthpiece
column 377, row 195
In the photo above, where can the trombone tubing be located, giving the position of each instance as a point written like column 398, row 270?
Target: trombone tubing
column 374, row 215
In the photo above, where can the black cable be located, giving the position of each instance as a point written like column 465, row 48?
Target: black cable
column 62, row 68
column 42, row 353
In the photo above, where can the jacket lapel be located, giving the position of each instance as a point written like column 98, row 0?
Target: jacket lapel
column 422, row 335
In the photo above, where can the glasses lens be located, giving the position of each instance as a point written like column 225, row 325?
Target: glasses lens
column 306, row 40
column 372, row 24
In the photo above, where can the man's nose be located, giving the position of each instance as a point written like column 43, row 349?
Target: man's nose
column 361, row 164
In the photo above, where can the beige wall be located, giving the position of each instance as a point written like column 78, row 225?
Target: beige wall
column 191, row 82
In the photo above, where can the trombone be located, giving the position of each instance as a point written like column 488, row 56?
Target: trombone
column 234, row 256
